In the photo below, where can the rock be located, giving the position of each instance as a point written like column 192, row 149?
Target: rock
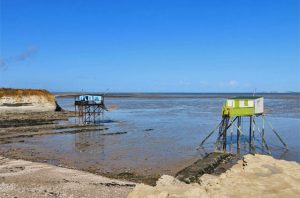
column 192, row 173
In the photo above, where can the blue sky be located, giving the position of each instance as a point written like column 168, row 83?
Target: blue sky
column 150, row 46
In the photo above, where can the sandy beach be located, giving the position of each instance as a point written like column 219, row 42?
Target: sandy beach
column 20, row 178
column 254, row 176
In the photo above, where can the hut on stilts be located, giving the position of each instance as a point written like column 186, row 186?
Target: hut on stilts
column 90, row 108
column 235, row 110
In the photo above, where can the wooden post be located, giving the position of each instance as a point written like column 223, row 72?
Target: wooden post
column 224, row 132
column 253, row 135
column 102, row 112
column 75, row 105
column 263, row 133
column 250, row 134
column 238, row 134
column 224, row 139
column 201, row 144
column 231, row 128
column 284, row 144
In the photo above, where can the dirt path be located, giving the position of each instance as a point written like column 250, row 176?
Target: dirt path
column 19, row 178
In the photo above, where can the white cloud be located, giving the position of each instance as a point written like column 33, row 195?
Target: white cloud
column 233, row 83
column 230, row 83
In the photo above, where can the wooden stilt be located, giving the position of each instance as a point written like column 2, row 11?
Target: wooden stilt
column 244, row 139
column 263, row 132
column 250, row 133
column 241, row 132
column 231, row 130
column 277, row 135
column 225, row 133
column 237, row 107
column 264, row 143
column 238, row 134
column 220, row 134
column 253, row 135
column 210, row 134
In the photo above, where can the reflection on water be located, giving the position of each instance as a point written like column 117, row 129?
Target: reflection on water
column 177, row 126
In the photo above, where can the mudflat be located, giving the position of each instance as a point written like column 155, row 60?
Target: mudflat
column 22, row 127
column 256, row 175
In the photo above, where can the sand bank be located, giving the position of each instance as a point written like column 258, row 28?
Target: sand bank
column 19, row 178
column 255, row 176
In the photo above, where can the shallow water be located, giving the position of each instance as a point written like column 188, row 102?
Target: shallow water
column 162, row 134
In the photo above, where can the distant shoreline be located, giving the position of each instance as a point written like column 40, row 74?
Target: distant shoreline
column 293, row 95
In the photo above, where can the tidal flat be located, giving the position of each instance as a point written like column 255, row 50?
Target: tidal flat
column 141, row 138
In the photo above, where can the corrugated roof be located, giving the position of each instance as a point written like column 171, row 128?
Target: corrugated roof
column 246, row 97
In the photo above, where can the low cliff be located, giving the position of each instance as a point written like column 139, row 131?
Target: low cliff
column 26, row 100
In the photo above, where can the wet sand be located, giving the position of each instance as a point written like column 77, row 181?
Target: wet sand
column 16, row 130
column 254, row 176
column 19, row 178
column 144, row 138
column 264, row 174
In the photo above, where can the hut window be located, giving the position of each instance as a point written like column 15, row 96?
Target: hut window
column 250, row 103
column 229, row 103
column 242, row 103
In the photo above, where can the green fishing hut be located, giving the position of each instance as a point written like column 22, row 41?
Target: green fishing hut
column 243, row 106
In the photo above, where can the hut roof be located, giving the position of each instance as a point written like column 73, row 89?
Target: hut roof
column 246, row 97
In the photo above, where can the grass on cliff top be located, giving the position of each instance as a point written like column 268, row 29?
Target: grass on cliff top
column 9, row 92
